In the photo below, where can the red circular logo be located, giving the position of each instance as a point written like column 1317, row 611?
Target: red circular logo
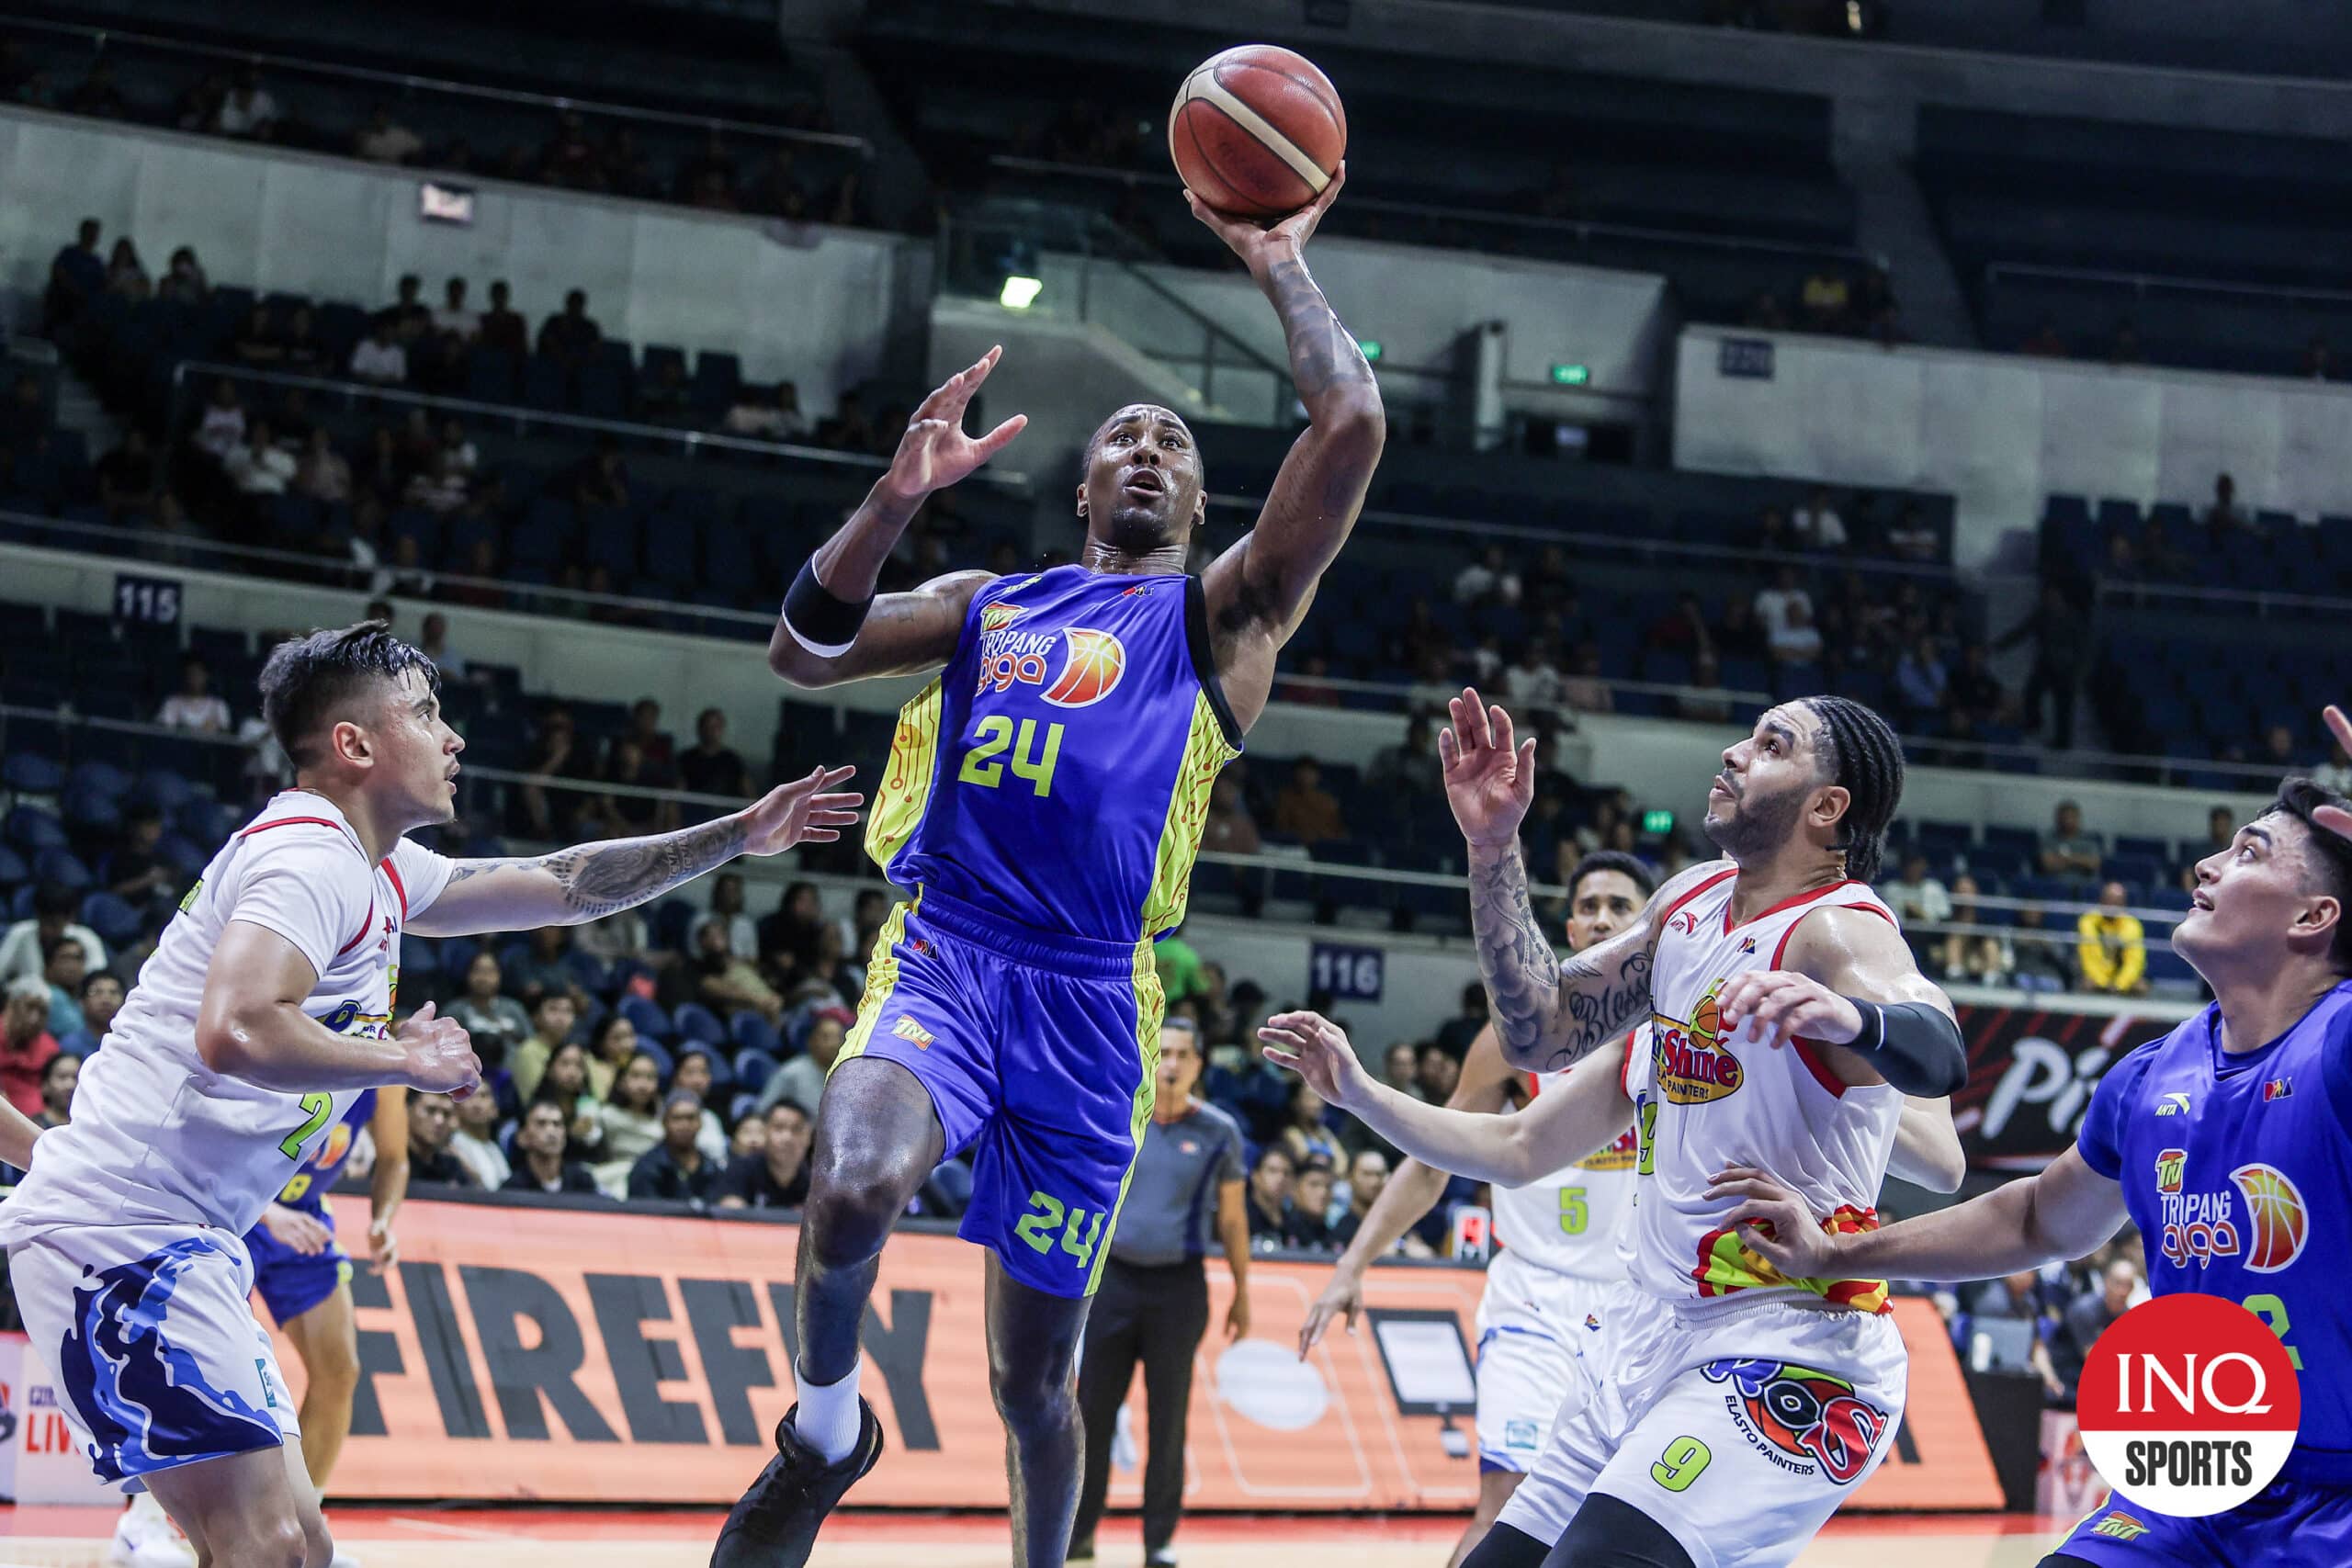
column 2189, row 1404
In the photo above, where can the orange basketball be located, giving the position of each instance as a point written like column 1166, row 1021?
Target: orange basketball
column 1707, row 1021
column 1257, row 130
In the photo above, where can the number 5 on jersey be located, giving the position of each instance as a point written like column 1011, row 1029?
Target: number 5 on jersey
column 996, row 735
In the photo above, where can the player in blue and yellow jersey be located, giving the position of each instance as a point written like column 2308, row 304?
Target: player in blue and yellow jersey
column 2226, row 1142
column 1045, row 800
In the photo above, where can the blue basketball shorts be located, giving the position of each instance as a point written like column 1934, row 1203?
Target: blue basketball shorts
column 1040, row 1053
column 292, row 1283
column 2292, row 1522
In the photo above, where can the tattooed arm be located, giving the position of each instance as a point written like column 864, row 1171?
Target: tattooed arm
column 588, row 881
column 1258, row 590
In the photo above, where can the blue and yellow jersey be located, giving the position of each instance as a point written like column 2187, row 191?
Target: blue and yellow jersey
column 1057, row 774
column 308, row 1187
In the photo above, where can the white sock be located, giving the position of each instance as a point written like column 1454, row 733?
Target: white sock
column 829, row 1419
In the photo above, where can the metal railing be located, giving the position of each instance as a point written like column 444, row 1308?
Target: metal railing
column 2150, row 284
column 103, row 40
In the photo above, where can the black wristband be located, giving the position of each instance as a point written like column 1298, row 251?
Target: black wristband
column 819, row 622
column 1913, row 1046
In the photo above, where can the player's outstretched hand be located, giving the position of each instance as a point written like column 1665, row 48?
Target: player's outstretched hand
column 935, row 452
column 2334, row 818
column 1774, row 1223
column 1344, row 1297
column 305, row 1233
column 1317, row 1050
column 1260, row 247
column 806, row 811
column 383, row 1246
column 1777, row 1006
column 1490, row 774
column 441, row 1058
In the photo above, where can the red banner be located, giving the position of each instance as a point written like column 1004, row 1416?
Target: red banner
column 2030, row 1073
column 576, row 1355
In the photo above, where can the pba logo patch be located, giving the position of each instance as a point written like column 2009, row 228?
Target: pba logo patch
column 1091, row 671
column 2277, row 1089
column 1793, row 1414
column 2119, row 1526
column 996, row 617
column 2188, row 1405
column 1692, row 1066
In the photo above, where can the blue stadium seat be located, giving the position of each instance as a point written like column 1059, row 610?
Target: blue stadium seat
column 752, row 1070
column 31, row 774
column 420, row 959
column 32, row 829
column 13, row 869
column 741, row 1105
column 647, row 1016
column 752, row 1033
column 699, row 1024
column 663, row 1062
column 594, row 974
column 61, row 866
column 115, row 921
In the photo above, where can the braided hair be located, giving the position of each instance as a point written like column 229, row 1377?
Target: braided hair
column 1861, row 755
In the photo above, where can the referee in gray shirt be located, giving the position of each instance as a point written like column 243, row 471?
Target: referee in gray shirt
column 1153, row 1304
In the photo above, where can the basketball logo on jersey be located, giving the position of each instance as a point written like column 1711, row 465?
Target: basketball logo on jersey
column 2276, row 1220
column 1692, row 1066
column 1804, row 1414
column 1093, row 662
column 2200, row 1227
column 1092, row 672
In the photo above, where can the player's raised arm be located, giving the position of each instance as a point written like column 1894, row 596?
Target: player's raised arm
column 833, row 629
column 1265, row 582
column 250, row 1025
column 586, row 882
column 1547, row 1014
column 2063, row 1211
column 1584, row 1115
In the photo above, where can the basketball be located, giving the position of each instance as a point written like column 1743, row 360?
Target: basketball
column 1257, row 130
column 2276, row 1219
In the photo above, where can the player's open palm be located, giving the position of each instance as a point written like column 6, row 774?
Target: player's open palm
column 2334, row 818
column 1317, row 1050
column 1774, row 1223
column 935, row 452
column 806, row 811
column 304, row 1233
column 440, row 1055
column 1489, row 773
column 1258, row 245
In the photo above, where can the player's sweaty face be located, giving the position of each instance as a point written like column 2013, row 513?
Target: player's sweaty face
column 419, row 749
column 1767, row 777
column 1605, row 904
column 1143, row 479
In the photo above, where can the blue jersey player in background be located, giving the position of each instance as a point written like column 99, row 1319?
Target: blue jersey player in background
column 1045, row 800
column 2229, row 1144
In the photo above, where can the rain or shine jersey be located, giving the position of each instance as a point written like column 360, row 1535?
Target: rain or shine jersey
column 307, row 1190
column 1570, row 1221
column 1704, row 1100
column 2238, row 1171
column 1057, row 774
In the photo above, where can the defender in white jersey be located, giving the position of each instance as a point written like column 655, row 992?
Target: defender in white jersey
column 266, row 1011
column 1788, row 1021
column 1546, row 1293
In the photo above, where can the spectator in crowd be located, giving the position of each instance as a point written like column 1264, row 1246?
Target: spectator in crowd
column 693, row 1074
column 502, row 327
column 1409, row 768
column 1306, row 811
column 2017, row 1297
column 1533, row 679
column 1489, row 579
column 434, row 488
column 101, row 999
column 727, row 983
column 1917, row 898
column 727, row 909
column 1228, row 829
column 1583, row 688
column 1303, row 1132
column 260, row 467
column 676, row 1170
column 195, row 705
column 1923, row 683
column 323, row 473
column 542, row 1161
column 1441, row 1068
column 384, row 139
column 1798, row 641
column 776, row 1175
column 567, row 1086
column 1682, row 629
column 712, row 767
column 135, row 871
column 125, row 273
column 1973, row 690
column 600, row 479
column 26, row 1043
column 2066, row 850
column 256, row 342
column 63, row 964
column 1984, row 958
column 828, row 978
column 248, row 111
column 455, row 318
column 2113, row 951
column 126, row 476
column 497, row 1023
column 1816, row 523
column 551, row 1022
column 631, row 1118
column 788, row 934
column 801, row 1080
column 221, row 430
column 24, row 951
column 1367, row 1175
column 432, row 1130
column 2061, row 636
column 476, row 1141
column 77, row 275
column 2043, row 962
column 1309, row 1225
column 57, row 1081
column 1773, row 603
column 1911, row 536
column 571, row 338
column 2279, row 747
column 184, row 280
column 2087, row 1316
column 1453, row 1036
column 1400, row 1068
column 1706, row 698
column 2224, row 515
column 1268, row 1203
column 867, row 914
column 380, row 358
column 772, row 415
column 1825, row 298
column 1740, row 635
column 432, row 641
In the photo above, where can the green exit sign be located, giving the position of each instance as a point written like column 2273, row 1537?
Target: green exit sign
column 1657, row 822
column 1571, row 374
column 1370, row 347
